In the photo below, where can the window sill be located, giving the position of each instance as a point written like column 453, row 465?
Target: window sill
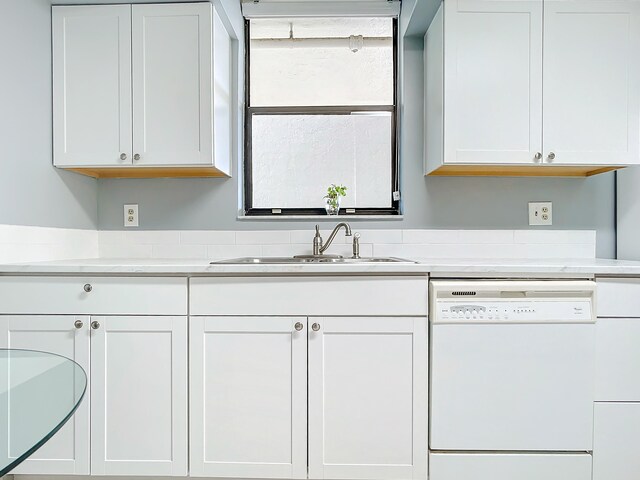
column 327, row 218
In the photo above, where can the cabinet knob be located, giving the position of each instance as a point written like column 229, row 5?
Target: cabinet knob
column 299, row 326
column 538, row 157
column 136, row 157
column 95, row 325
column 551, row 156
column 123, row 156
column 78, row 324
column 315, row 327
column 87, row 287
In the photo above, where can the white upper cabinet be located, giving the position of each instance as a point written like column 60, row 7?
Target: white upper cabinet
column 493, row 81
column 134, row 90
column 171, row 92
column 532, row 87
column 92, row 86
column 592, row 81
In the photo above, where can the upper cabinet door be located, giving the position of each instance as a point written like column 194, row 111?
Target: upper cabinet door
column 172, row 88
column 92, row 85
column 67, row 453
column 139, row 392
column 368, row 398
column 493, row 81
column 592, row 82
column 248, row 394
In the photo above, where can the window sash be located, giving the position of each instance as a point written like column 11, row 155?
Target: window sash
column 250, row 111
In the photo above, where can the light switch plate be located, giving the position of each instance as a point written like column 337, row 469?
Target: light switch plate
column 540, row 213
column 131, row 215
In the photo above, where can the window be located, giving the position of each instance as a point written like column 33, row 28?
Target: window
column 321, row 110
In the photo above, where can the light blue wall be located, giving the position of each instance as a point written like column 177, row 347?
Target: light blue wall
column 490, row 203
column 32, row 191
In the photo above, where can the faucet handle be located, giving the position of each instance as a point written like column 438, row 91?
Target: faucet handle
column 317, row 230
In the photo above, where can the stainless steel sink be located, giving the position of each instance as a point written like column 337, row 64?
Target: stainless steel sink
column 308, row 259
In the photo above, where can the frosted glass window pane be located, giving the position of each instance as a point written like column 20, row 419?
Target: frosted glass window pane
column 310, row 62
column 296, row 157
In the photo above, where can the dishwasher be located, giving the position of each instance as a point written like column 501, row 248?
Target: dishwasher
column 512, row 379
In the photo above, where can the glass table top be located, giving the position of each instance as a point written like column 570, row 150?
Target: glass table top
column 39, row 392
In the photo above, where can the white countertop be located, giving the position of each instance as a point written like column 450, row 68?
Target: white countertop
column 436, row 267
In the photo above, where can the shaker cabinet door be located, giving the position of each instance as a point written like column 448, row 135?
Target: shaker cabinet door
column 492, row 81
column 92, row 86
column 592, row 82
column 368, row 398
column 67, row 452
column 248, row 397
column 172, row 94
column 139, row 393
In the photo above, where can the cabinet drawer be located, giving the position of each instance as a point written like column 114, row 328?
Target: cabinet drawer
column 93, row 295
column 618, row 359
column 618, row 297
column 322, row 296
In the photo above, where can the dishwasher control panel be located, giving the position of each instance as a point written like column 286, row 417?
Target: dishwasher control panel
column 456, row 311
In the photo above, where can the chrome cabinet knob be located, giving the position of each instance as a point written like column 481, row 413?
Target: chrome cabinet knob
column 78, row 324
column 136, row 157
column 538, row 157
column 551, row 156
column 95, row 325
column 87, row 287
column 123, row 156
column 298, row 326
column 315, row 327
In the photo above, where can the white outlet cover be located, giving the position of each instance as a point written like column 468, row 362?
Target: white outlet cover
column 540, row 213
column 131, row 215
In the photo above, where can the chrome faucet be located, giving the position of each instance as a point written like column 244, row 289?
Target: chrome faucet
column 318, row 247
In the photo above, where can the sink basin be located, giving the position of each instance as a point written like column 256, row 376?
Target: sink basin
column 308, row 259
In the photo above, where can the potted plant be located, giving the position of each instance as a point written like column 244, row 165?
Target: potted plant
column 333, row 198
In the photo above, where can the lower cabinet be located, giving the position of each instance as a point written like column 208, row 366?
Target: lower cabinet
column 616, row 441
column 67, row 453
column 366, row 412
column 133, row 421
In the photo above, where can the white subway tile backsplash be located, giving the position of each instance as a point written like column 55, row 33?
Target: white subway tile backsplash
column 263, row 237
column 473, row 244
column 20, row 243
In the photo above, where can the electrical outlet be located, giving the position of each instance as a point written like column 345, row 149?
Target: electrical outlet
column 540, row 213
column 131, row 215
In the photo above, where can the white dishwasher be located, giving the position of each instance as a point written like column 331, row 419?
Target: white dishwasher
column 512, row 380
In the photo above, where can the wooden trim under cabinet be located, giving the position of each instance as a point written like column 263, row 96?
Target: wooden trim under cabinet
column 151, row 172
column 520, row 170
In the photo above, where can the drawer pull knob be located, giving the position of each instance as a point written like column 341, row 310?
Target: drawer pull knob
column 315, row 327
column 95, row 325
column 78, row 324
column 88, row 287
column 299, row 326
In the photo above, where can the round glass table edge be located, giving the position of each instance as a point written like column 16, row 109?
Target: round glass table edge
column 9, row 467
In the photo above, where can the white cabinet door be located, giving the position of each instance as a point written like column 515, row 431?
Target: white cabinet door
column 592, row 81
column 139, row 393
column 68, row 451
column 248, row 378
column 618, row 359
column 172, row 88
column 368, row 398
column 493, row 81
column 616, row 441
column 92, row 85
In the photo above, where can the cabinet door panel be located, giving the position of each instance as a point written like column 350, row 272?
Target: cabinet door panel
column 368, row 398
column 139, row 412
column 172, row 91
column 616, row 441
column 92, row 85
column 591, row 81
column 248, row 397
column 67, row 452
column 493, row 81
